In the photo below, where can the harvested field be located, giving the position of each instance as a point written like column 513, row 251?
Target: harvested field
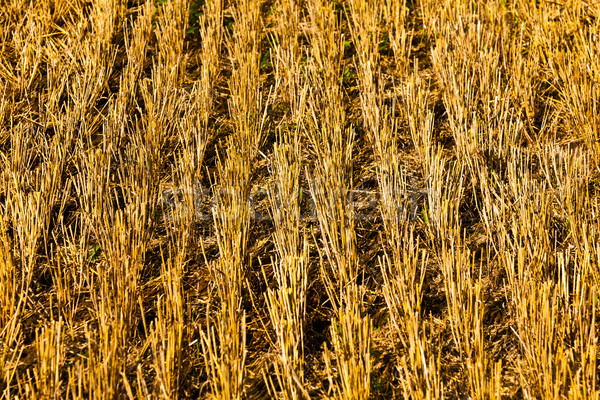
column 291, row 199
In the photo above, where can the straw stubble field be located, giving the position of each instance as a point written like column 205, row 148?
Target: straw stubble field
column 299, row 199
